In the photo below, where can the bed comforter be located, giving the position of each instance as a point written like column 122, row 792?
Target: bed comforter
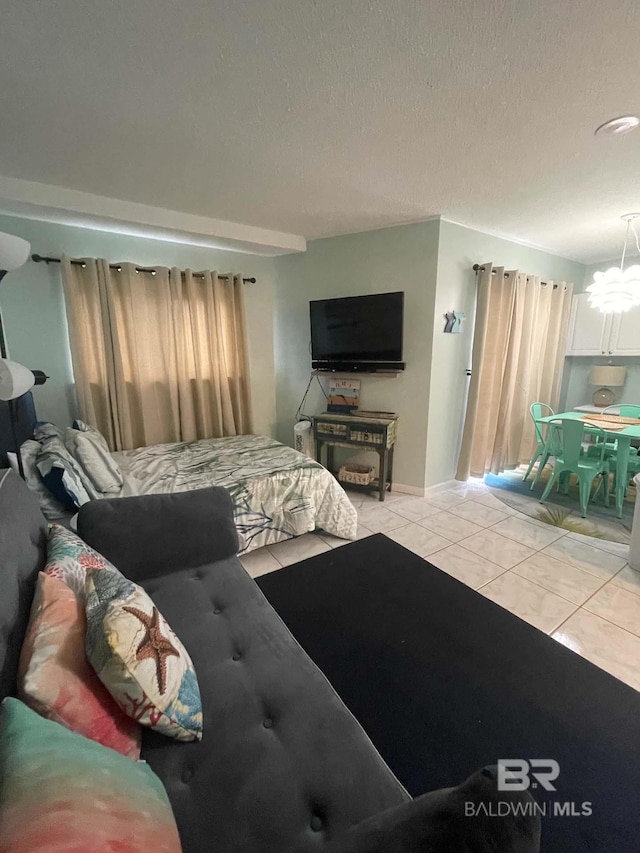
column 277, row 492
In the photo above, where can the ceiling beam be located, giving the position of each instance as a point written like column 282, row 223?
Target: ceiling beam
column 31, row 200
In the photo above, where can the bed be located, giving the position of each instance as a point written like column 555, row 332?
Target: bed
column 277, row 492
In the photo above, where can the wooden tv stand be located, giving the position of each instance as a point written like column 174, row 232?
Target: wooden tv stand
column 363, row 433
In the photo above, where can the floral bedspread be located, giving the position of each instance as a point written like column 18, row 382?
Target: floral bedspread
column 277, row 492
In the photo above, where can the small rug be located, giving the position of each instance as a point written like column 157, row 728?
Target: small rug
column 563, row 510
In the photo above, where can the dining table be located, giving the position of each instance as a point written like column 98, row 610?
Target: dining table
column 623, row 437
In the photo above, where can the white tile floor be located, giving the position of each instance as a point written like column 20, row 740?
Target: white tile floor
column 579, row 590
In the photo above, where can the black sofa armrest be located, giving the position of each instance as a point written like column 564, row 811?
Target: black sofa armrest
column 463, row 819
column 151, row 535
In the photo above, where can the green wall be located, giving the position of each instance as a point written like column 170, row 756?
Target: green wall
column 459, row 248
column 430, row 261
column 33, row 307
column 399, row 258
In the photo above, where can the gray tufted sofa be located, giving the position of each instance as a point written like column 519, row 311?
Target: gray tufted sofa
column 283, row 766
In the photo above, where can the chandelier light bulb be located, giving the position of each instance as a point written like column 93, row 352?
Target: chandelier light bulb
column 618, row 289
column 615, row 290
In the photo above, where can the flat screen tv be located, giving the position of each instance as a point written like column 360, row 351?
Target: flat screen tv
column 357, row 332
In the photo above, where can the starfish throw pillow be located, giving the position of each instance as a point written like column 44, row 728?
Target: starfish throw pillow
column 138, row 657
column 69, row 558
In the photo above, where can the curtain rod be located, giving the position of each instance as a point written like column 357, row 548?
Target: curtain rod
column 39, row 259
column 477, row 268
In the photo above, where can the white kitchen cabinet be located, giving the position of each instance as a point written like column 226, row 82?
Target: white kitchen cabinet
column 625, row 333
column 593, row 333
column 589, row 330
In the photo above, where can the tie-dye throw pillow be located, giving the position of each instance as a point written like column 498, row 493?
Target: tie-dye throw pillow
column 69, row 558
column 139, row 659
column 57, row 681
column 60, row 792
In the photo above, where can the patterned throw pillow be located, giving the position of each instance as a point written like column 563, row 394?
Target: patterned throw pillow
column 89, row 449
column 57, row 681
column 69, row 559
column 62, row 475
column 60, row 792
column 139, row 659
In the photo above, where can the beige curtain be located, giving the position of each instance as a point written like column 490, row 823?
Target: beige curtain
column 157, row 356
column 518, row 356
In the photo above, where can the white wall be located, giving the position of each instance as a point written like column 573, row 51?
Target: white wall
column 33, row 307
column 400, row 258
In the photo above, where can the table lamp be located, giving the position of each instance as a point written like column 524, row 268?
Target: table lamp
column 15, row 380
column 14, row 251
column 604, row 376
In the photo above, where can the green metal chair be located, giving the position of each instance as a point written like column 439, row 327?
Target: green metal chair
column 625, row 411
column 541, row 451
column 570, row 459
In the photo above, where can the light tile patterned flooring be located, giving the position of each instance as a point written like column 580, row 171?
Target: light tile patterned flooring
column 579, row 590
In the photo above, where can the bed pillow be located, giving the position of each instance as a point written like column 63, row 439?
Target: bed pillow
column 51, row 508
column 57, row 681
column 90, row 450
column 97, row 436
column 139, row 659
column 69, row 558
column 60, row 792
column 45, row 429
column 62, row 475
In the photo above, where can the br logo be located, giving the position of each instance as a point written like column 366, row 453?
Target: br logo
column 518, row 774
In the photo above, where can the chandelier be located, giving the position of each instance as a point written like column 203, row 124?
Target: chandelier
column 618, row 289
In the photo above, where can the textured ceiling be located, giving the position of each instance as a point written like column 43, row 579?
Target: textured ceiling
column 320, row 117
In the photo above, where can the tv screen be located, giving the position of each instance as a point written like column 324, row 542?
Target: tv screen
column 357, row 328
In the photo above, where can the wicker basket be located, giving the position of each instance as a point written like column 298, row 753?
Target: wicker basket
column 361, row 475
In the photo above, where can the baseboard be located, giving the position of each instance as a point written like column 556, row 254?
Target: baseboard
column 442, row 487
column 407, row 490
column 421, row 493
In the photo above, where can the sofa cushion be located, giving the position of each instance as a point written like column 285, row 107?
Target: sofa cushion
column 60, row 792
column 279, row 743
column 452, row 820
column 57, row 681
column 23, row 537
column 156, row 534
column 138, row 657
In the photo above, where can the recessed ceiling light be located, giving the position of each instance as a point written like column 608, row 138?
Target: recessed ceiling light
column 618, row 126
